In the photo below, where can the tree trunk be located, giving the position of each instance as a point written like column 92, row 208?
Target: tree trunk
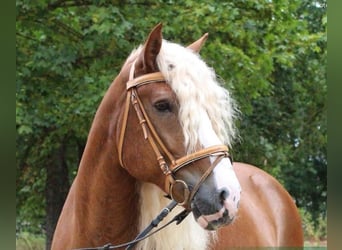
column 57, row 187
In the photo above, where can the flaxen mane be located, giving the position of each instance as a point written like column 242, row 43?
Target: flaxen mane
column 197, row 89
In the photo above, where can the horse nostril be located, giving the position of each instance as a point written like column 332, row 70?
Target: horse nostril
column 223, row 194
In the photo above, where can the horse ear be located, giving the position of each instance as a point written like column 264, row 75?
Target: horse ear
column 147, row 60
column 196, row 46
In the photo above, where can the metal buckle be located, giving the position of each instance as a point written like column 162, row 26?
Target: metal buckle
column 179, row 191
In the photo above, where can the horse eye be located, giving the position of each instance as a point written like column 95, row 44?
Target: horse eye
column 163, row 106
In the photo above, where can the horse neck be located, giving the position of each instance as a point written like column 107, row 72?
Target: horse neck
column 106, row 199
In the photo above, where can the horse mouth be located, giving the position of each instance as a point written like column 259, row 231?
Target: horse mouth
column 212, row 221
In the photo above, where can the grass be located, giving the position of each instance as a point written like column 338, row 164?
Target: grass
column 27, row 241
column 315, row 231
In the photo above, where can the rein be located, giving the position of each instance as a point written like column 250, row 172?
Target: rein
column 145, row 234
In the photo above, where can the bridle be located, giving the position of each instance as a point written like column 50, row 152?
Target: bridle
column 171, row 183
column 158, row 146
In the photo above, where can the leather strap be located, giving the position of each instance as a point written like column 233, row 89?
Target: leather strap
column 150, row 134
column 145, row 79
column 203, row 178
column 123, row 129
column 198, row 155
column 154, row 133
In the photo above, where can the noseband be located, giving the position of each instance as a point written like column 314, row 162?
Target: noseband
column 150, row 134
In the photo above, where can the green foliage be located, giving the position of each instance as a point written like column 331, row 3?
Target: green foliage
column 27, row 241
column 286, row 129
column 315, row 229
column 271, row 54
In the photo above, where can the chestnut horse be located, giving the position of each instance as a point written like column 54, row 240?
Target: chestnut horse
column 159, row 133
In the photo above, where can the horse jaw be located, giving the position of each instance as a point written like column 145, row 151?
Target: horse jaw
column 187, row 235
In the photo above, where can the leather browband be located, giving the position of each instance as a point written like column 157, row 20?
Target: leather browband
column 145, row 79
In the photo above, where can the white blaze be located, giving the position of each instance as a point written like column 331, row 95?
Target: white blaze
column 223, row 172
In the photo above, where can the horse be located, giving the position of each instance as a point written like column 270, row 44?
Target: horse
column 162, row 132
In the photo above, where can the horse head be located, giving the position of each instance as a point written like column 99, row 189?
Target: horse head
column 176, row 121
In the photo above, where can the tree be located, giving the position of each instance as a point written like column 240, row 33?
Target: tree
column 270, row 54
column 55, row 102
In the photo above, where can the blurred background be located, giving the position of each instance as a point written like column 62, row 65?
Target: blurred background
column 271, row 55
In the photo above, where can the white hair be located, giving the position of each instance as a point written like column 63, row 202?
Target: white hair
column 187, row 235
column 197, row 88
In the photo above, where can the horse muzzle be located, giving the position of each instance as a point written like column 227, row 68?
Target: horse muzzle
column 213, row 201
column 215, row 209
